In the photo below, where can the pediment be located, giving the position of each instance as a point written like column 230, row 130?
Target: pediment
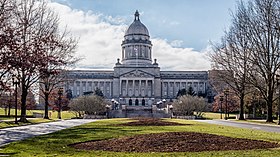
column 137, row 73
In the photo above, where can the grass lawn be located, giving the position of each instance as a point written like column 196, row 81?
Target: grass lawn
column 9, row 122
column 64, row 114
column 215, row 115
column 56, row 144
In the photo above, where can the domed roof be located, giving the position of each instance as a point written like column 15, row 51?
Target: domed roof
column 137, row 28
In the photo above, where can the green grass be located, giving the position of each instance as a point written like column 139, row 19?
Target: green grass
column 9, row 122
column 64, row 114
column 214, row 115
column 56, row 144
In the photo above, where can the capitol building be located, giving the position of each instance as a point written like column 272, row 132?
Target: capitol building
column 136, row 80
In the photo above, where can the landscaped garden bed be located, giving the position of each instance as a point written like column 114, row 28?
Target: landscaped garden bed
column 150, row 140
column 172, row 141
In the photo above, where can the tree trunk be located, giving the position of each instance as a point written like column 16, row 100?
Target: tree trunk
column 269, row 112
column 269, row 106
column 9, row 109
column 46, row 116
column 241, row 113
column 23, row 105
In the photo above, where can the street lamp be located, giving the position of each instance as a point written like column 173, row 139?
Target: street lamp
column 163, row 100
column 113, row 104
column 15, row 83
column 108, row 110
column 278, row 86
column 60, row 92
column 116, row 105
column 221, row 105
column 171, row 110
column 226, row 93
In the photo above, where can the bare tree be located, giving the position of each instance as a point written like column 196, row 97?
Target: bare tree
column 91, row 104
column 36, row 44
column 59, row 57
column 231, row 58
column 249, row 52
column 77, row 106
column 187, row 104
column 5, row 33
column 263, row 20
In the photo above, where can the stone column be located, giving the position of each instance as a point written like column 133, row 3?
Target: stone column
column 120, row 93
column 180, row 85
column 111, row 89
column 139, row 88
column 153, row 87
column 146, row 88
column 126, row 86
column 133, row 87
column 174, row 89
column 122, row 53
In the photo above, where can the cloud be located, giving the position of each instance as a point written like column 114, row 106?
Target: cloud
column 100, row 40
column 176, row 43
column 171, row 58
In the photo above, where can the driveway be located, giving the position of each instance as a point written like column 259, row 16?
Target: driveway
column 263, row 127
column 9, row 135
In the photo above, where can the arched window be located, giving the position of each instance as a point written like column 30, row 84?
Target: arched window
column 130, row 102
column 143, row 102
column 136, row 102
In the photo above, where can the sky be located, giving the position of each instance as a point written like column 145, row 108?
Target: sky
column 180, row 30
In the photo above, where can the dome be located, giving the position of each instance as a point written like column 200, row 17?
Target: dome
column 137, row 28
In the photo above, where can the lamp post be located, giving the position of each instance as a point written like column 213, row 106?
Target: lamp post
column 15, row 83
column 116, row 105
column 278, row 86
column 221, row 105
column 226, row 93
column 171, row 110
column 113, row 104
column 108, row 110
column 159, row 104
column 60, row 92
column 163, row 100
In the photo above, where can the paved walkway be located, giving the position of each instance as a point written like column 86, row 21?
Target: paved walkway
column 263, row 127
column 9, row 135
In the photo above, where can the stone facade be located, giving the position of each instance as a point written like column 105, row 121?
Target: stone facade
column 136, row 80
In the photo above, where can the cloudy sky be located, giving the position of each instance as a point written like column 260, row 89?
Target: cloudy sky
column 180, row 30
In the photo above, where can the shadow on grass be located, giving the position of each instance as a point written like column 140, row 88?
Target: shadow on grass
column 76, row 133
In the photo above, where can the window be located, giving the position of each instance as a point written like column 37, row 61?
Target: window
column 130, row 102
column 136, row 92
column 136, row 102
column 143, row 102
column 143, row 92
column 130, row 92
